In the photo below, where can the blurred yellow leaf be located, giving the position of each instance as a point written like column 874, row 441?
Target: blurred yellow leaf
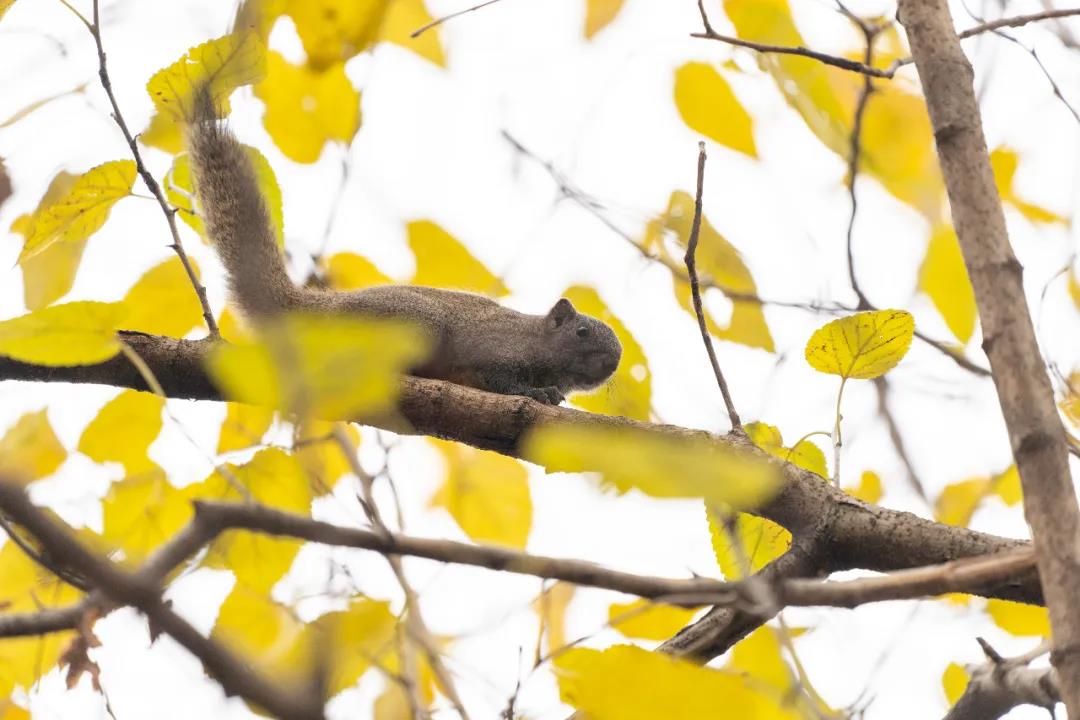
column 30, row 449
column 77, row 333
column 629, row 393
column 598, row 13
column 141, row 512
column 326, row 367
column 869, row 489
column 487, row 494
column 759, row 656
column 958, row 501
column 333, row 31
column 5, row 5
column 628, row 683
column 306, row 108
column 1007, row 486
column 760, row 540
column 8, row 709
column 353, row 639
column 267, row 635
column 551, row 608
column 233, row 328
column 944, row 278
column 1074, row 288
column 1004, row 162
column 648, row 620
column 403, row 18
column 443, row 262
column 163, row 301
column 689, row 466
column 864, row 345
column 223, row 64
column 349, row 271
column 49, row 274
column 804, row 454
column 1019, row 619
column 123, row 431
column 82, row 210
column 707, row 104
column 244, row 426
column 320, row 454
column 954, row 681
column 164, row 133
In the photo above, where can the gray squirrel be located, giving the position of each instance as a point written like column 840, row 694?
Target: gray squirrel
column 478, row 342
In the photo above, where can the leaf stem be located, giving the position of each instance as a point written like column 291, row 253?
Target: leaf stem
column 836, row 437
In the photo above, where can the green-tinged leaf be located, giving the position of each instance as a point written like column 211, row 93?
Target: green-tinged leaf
column 944, row 278
column 648, row 620
column 687, row 466
column 326, row 367
column 629, row 392
column 487, row 494
column 804, row 454
column 78, row 333
column 307, row 108
column 82, row 210
column 954, row 682
column 1018, row 618
column 141, row 512
column 442, row 261
column 349, row 271
column 707, row 104
column 598, row 13
column 629, row 683
column 49, row 274
column 244, row 426
column 123, row 431
column 222, row 64
column 163, row 301
column 757, row 542
column 402, row 19
column 864, row 345
column 30, row 449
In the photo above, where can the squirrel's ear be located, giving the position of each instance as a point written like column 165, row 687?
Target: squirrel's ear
column 560, row 312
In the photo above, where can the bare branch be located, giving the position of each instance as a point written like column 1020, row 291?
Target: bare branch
column 439, row 21
column 1018, row 21
column 1001, row 684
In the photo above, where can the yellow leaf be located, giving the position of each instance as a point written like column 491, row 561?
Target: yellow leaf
column 223, row 64
column 163, row 301
column 1007, row 486
column 442, row 261
column 958, row 501
column 306, row 108
column 349, row 271
column 402, row 19
column 48, row 275
column 30, row 449
column 77, row 333
column 648, row 620
column 393, row 703
column 1004, row 162
column 487, row 494
column 944, row 278
column 273, row 478
column 629, row 683
column 805, row 454
column 954, row 681
column 707, row 104
column 355, row 638
column 244, row 426
column 690, row 466
column 864, row 345
column 761, row 541
column 5, row 5
column 759, row 656
column 326, row 367
column 123, row 431
column 869, row 489
column 164, row 133
column 141, row 512
column 232, row 327
column 629, row 393
column 267, row 635
column 551, row 608
column 82, row 210
column 1074, row 288
column 321, row 456
column 598, row 13
column 1019, row 619
column 333, row 31
column 8, row 709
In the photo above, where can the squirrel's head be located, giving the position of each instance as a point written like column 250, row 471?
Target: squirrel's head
column 586, row 349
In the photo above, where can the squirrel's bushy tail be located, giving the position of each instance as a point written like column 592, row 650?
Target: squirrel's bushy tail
column 236, row 217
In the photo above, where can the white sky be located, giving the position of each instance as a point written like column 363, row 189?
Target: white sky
column 431, row 148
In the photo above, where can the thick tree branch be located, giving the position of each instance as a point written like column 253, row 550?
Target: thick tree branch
column 1024, row 391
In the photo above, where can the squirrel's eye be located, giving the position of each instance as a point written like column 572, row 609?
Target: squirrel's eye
column 583, row 332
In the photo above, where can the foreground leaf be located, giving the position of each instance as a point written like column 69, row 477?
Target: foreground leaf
column 222, row 64
column 690, row 466
column 244, row 426
column 82, row 210
column 864, row 345
column 78, row 333
column 163, row 301
column 757, row 543
column 49, row 274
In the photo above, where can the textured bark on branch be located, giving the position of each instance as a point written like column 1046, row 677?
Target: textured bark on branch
column 1024, row 390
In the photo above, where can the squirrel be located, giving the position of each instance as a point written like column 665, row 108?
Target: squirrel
column 478, row 342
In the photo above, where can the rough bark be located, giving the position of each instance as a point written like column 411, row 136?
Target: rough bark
column 1024, row 391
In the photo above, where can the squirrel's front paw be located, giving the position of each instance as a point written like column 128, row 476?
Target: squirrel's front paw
column 548, row 395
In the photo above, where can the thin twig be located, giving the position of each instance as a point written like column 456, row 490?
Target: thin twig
column 691, row 270
column 149, row 180
column 1017, row 21
column 882, row 387
column 825, row 58
column 435, row 23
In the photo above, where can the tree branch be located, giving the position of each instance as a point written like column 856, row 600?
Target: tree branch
column 1001, row 684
